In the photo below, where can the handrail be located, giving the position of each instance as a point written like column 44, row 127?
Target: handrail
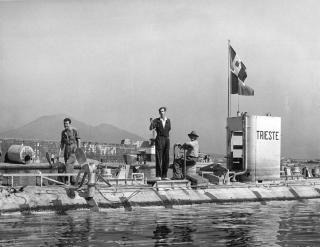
column 38, row 174
column 41, row 175
column 47, row 175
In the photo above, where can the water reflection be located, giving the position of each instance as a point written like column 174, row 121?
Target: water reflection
column 238, row 236
column 247, row 224
column 183, row 234
column 301, row 221
column 178, row 234
column 161, row 235
column 75, row 232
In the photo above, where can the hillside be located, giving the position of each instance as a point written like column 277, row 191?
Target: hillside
column 50, row 127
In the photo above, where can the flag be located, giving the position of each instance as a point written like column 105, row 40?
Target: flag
column 238, row 87
column 238, row 75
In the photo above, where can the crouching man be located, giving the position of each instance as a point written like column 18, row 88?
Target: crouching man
column 89, row 172
column 192, row 153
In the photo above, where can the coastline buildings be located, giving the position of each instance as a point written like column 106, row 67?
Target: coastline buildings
column 106, row 152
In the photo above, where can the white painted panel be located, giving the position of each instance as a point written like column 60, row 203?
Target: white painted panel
column 265, row 148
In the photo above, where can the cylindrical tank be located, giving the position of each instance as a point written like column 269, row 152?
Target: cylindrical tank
column 250, row 147
column 20, row 154
column 262, row 144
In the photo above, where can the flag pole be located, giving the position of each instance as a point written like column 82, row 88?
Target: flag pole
column 238, row 106
column 229, row 78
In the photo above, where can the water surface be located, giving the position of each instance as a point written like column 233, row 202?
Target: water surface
column 278, row 223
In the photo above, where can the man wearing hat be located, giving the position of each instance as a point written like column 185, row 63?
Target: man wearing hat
column 192, row 154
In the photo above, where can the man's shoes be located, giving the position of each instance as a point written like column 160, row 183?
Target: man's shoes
column 158, row 178
column 165, row 178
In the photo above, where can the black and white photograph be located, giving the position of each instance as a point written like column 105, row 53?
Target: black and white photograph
column 159, row 123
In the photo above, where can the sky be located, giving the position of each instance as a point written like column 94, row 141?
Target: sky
column 118, row 61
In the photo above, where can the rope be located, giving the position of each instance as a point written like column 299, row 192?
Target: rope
column 114, row 202
column 25, row 200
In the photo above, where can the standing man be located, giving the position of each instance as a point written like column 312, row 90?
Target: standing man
column 70, row 141
column 162, row 126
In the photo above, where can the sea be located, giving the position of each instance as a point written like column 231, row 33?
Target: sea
column 274, row 223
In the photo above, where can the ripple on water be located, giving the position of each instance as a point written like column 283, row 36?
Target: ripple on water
column 284, row 223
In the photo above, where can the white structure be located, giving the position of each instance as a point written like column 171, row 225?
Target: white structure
column 151, row 153
column 20, row 153
column 254, row 147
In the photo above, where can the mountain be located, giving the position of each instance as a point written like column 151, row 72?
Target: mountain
column 50, row 127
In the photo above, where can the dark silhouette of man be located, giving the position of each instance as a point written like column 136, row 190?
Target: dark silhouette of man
column 162, row 126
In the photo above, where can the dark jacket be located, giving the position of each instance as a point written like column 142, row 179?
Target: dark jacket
column 157, row 125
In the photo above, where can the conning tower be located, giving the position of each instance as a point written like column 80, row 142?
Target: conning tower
column 254, row 147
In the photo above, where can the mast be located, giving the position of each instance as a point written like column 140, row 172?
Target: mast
column 229, row 98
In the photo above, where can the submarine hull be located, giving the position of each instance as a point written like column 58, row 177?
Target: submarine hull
column 58, row 198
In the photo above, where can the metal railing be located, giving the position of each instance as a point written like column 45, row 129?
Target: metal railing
column 46, row 176
column 42, row 176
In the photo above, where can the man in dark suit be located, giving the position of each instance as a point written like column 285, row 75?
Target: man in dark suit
column 162, row 126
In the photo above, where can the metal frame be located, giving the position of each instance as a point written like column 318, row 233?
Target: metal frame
column 46, row 176
column 41, row 175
